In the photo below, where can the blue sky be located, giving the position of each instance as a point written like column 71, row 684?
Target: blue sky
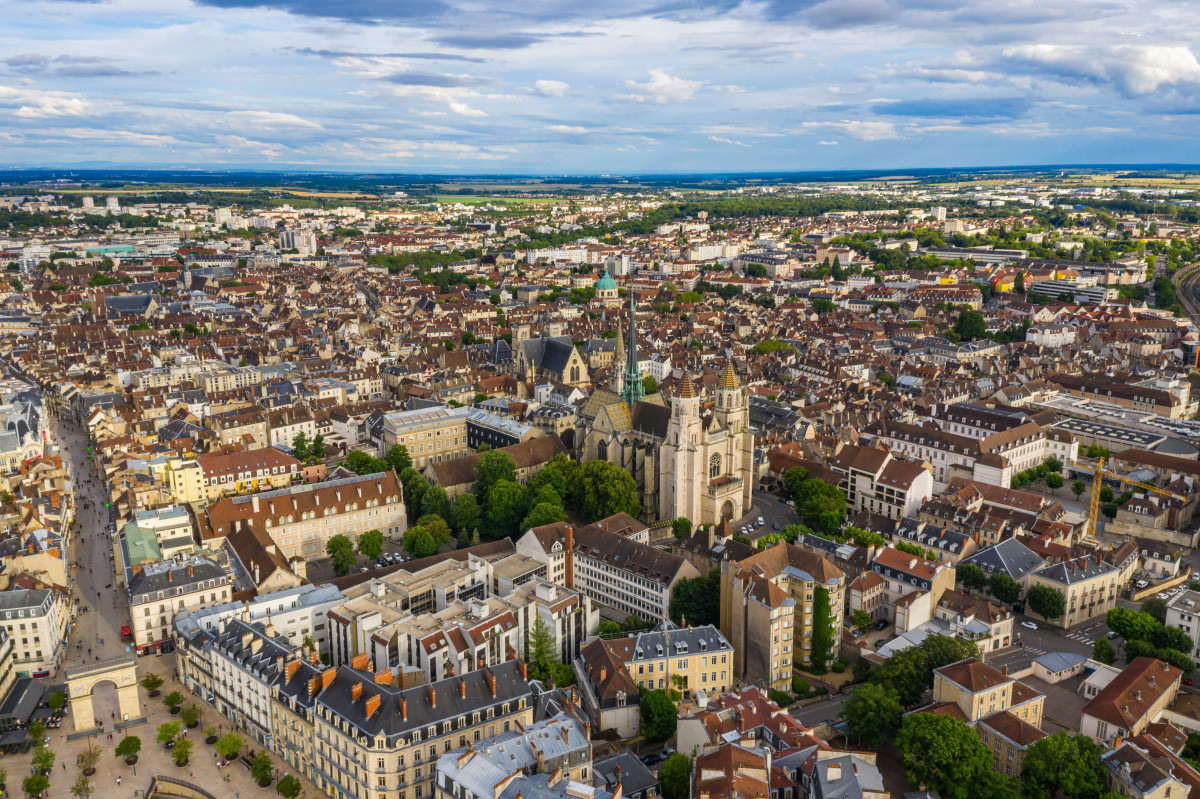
column 567, row 86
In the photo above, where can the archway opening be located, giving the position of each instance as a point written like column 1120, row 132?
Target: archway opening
column 106, row 709
column 727, row 511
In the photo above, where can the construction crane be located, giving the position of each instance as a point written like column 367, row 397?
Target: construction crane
column 1098, row 475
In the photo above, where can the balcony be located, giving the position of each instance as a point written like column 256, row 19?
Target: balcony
column 723, row 486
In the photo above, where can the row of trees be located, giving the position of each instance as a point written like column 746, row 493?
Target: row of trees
column 1146, row 635
column 819, row 505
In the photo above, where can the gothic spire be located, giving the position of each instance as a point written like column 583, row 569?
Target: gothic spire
column 632, row 390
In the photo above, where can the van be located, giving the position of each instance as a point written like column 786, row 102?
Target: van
column 760, row 521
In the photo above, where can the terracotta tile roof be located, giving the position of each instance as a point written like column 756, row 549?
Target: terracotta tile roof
column 1128, row 698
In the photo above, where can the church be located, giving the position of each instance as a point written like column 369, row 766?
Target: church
column 688, row 460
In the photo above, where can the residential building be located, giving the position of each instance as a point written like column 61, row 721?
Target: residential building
column 1133, row 700
column 1089, row 584
column 767, row 610
column 1183, row 611
column 876, row 482
column 36, row 620
column 159, row 591
column 607, row 567
column 246, row 471
column 431, row 434
column 691, row 660
column 1145, row 767
column 912, row 587
column 302, row 518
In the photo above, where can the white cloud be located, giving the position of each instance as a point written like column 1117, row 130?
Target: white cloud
column 34, row 104
column 661, row 88
column 1134, row 70
column 826, row 144
column 551, row 88
column 274, row 119
column 465, row 110
column 870, row 130
column 576, row 129
column 723, row 140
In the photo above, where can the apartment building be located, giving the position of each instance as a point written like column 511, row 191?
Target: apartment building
column 36, row 621
column 241, row 427
column 248, row 470
column 767, row 605
column 246, row 658
column 911, row 589
column 432, row 435
column 607, row 567
column 284, row 424
column 222, row 378
column 1089, row 584
column 549, row 759
column 691, row 660
column 159, row 591
column 877, row 482
column 1132, row 701
column 1005, row 713
column 1183, row 611
column 302, row 518
column 373, row 739
column 184, row 480
column 1144, row 767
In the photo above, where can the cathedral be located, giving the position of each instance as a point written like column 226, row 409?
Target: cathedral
column 688, row 460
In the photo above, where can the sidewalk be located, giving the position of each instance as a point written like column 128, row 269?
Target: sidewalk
column 153, row 759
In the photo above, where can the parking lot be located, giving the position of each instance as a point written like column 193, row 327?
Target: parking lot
column 322, row 569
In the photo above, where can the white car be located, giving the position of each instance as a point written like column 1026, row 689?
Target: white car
column 1162, row 595
column 1028, row 625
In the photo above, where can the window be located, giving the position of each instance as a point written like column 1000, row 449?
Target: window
column 714, row 466
column 602, row 451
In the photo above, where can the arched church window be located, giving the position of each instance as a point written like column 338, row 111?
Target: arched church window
column 602, row 451
column 714, row 467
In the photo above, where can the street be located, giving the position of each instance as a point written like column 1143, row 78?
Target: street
column 818, row 712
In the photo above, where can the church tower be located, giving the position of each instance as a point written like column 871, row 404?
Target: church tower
column 632, row 390
column 615, row 372
column 682, row 456
column 731, row 411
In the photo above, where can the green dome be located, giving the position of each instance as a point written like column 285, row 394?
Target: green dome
column 606, row 283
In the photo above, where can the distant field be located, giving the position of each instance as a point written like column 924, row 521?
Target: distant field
column 309, row 193
column 480, row 199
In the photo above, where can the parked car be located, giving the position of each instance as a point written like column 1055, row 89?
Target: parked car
column 760, row 521
column 1028, row 625
column 879, row 625
column 1111, row 634
column 1162, row 595
column 1141, row 584
column 774, row 525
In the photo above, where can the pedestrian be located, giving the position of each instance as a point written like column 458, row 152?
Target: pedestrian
column 118, row 782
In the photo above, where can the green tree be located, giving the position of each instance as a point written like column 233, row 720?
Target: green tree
column 1064, row 765
column 191, row 716
column 36, row 784
column 649, row 385
column 370, row 544
column 872, row 715
column 182, row 751
column 603, row 489
column 289, row 787
column 493, row 466
column 341, row 551
column 1077, row 488
column 128, row 748
column 300, row 446
column 970, row 325
column 541, row 650
column 793, row 478
column 229, row 744
column 506, row 506
column 419, row 542
column 397, row 458
column 658, row 715
column 435, row 501
column 861, row 619
column 820, row 505
column 464, row 512
column 676, row 776
column 152, row 682
column 822, row 631
column 1156, row 608
column 681, row 528
column 82, row 788
column 43, row 758
column 697, row 600
column 414, row 487
column 1106, row 494
column 944, row 754
column 543, row 513
column 1047, row 602
column 168, row 732
column 1054, row 481
column 1004, row 588
column 971, row 575
column 609, row 629
column 1103, row 651
column 261, row 768
column 56, row 700
column 173, row 700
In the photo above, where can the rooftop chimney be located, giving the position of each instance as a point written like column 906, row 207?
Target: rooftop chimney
column 291, row 669
column 462, row 688
column 403, row 709
column 314, row 685
column 372, row 705
column 432, row 696
column 327, row 676
column 355, row 691
column 360, row 660
column 383, row 677
column 491, row 681
column 524, row 668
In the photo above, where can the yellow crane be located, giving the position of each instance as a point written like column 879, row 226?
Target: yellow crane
column 1098, row 475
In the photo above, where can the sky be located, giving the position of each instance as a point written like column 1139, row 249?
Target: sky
column 608, row 87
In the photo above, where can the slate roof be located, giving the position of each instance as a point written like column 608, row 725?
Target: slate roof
column 1009, row 556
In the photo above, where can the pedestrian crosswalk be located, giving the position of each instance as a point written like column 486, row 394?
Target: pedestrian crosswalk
column 1083, row 637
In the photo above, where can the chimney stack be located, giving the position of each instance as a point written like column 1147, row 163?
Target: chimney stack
column 403, row 709
column 355, row 691
column 327, row 676
column 314, row 684
column 372, row 705
column 491, row 681
column 432, row 696
column 524, row 668
column 383, row 677
column 462, row 688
